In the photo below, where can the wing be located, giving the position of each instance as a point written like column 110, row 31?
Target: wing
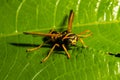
column 41, row 34
column 70, row 20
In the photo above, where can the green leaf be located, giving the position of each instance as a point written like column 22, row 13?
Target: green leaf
column 98, row 62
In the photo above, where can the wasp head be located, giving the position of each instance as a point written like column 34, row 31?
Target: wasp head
column 71, row 39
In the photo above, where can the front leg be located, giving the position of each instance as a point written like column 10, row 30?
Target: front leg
column 83, row 44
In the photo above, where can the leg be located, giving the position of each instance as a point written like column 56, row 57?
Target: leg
column 83, row 43
column 68, row 55
column 50, row 52
column 32, row 49
column 51, row 31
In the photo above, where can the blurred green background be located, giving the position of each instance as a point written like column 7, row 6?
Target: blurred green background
column 94, row 63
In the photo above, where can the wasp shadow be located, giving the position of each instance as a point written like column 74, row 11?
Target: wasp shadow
column 115, row 55
column 27, row 45
column 63, row 23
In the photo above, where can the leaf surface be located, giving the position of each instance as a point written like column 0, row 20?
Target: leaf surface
column 98, row 62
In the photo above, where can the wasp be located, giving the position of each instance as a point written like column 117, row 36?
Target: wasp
column 61, row 39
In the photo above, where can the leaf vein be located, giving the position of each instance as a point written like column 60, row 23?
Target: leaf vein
column 55, row 10
column 17, row 13
column 23, row 70
column 14, row 62
column 39, row 72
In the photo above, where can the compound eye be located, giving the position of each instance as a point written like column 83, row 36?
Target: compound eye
column 73, row 42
